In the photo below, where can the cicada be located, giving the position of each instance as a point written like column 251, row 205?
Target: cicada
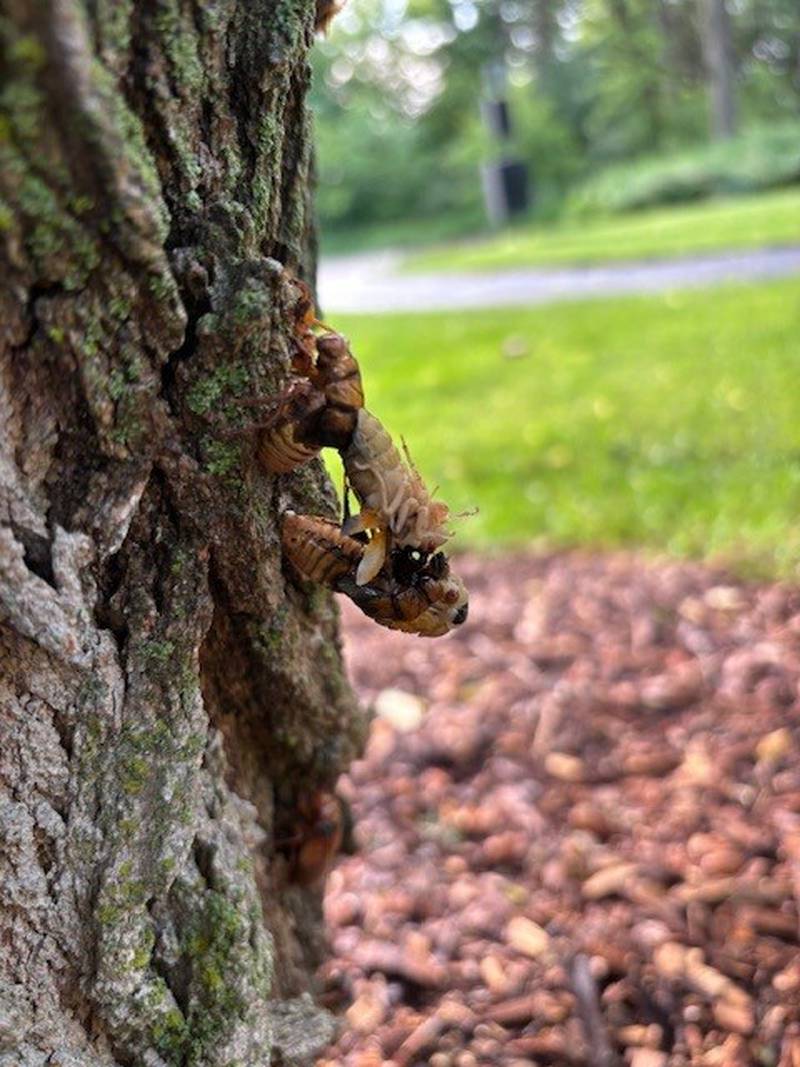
column 413, row 595
column 396, row 507
column 319, row 408
column 323, row 406
column 317, row 833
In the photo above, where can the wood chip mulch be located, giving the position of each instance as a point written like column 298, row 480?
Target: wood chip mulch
column 578, row 822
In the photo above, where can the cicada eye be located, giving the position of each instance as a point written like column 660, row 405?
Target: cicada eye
column 451, row 596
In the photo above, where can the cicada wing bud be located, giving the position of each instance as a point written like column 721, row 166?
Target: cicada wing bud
column 373, row 559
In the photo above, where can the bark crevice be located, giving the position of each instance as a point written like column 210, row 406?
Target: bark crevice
column 162, row 687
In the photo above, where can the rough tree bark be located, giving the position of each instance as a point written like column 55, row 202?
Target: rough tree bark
column 166, row 691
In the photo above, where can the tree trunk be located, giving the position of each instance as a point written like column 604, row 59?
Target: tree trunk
column 167, row 692
column 718, row 49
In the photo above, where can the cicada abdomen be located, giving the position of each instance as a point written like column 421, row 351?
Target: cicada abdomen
column 318, row 549
column 320, row 410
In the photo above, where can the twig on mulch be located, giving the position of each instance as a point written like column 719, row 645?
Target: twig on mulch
column 583, row 985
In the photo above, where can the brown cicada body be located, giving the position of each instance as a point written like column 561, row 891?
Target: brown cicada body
column 317, row 548
column 317, row 834
column 429, row 608
column 319, row 408
column 419, row 597
column 281, row 445
column 386, row 558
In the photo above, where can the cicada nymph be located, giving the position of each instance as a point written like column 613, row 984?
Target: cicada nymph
column 317, row 548
column 319, row 407
column 317, row 833
column 324, row 407
column 418, row 597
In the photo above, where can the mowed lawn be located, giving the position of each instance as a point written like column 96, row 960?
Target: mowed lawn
column 716, row 225
column 671, row 422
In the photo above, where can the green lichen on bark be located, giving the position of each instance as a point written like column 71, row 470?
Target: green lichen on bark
column 170, row 684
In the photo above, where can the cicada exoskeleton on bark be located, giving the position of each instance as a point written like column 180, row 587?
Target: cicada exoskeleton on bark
column 425, row 599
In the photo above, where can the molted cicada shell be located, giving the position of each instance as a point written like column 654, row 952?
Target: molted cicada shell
column 317, row 548
column 317, row 410
column 316, row 835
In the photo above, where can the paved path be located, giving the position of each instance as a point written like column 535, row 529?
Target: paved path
column 370, row 282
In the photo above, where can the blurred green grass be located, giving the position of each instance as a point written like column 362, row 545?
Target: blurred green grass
column 671, row 422
column 732, row 223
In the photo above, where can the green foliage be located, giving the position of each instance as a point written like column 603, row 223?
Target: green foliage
column 371, row 172
column 671, row 422
column 591, row 84
column 763, row 157
column 734, row 222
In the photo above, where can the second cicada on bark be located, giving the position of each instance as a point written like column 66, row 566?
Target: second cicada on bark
column 418, row 598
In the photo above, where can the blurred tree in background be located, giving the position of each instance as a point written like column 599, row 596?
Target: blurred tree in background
column 590, row 83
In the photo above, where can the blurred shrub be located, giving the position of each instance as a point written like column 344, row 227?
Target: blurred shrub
column 549, row 147
column 592, row 84
column 377, row 167
column 374, row 170
column 765, row 157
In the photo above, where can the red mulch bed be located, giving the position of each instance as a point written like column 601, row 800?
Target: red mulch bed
column 588, row 850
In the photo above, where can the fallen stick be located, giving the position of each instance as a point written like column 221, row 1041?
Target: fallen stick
column 601, row 1053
